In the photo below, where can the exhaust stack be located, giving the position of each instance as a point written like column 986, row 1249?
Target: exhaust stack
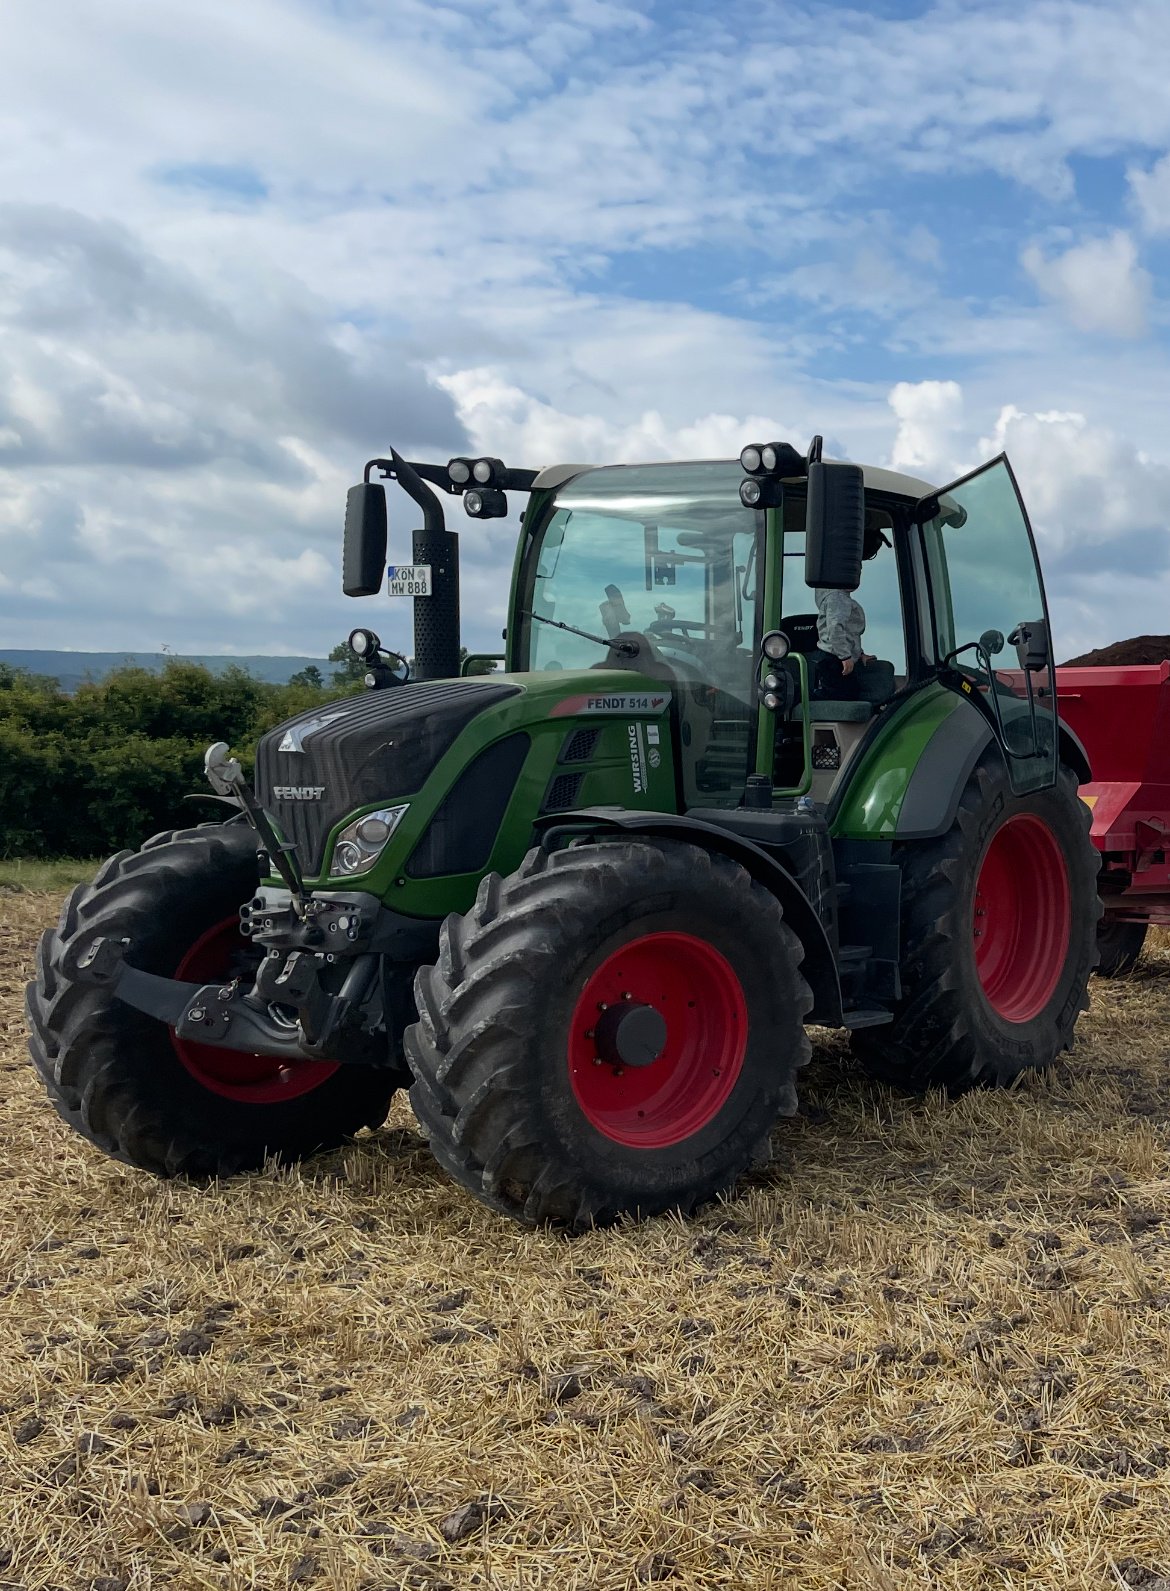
column 436, row 618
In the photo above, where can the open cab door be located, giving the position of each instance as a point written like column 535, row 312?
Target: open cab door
column 990, row 615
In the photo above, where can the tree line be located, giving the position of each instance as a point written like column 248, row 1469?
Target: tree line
column 101, row 769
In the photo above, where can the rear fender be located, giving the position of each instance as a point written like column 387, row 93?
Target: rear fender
column 908, row 775
column 937, row 783
column 1073, row 753
column 819, row 966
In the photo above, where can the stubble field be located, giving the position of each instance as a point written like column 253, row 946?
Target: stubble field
column 929, row 1346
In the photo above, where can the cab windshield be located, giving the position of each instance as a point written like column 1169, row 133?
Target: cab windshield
column 669, row 552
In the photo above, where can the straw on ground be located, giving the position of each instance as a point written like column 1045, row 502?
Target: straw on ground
column 929, row 1346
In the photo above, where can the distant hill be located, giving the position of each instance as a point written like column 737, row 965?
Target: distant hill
column 72, row 669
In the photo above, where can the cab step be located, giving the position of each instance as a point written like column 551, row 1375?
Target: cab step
column 873, row 1018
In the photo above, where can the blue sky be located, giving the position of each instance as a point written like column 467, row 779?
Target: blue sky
column 245, row 245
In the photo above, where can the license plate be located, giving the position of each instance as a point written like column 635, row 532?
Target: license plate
column 409, row 579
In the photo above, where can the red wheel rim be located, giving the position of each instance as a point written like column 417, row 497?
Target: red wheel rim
column 249, row 1079
column 697, row 994
column 1023, row 914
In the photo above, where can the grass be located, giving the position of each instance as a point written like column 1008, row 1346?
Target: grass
column 59, row 873
column 929, row 1346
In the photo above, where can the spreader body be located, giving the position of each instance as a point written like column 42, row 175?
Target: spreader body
column 1122, row 717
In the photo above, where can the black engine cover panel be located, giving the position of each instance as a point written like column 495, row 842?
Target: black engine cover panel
column 377, row 746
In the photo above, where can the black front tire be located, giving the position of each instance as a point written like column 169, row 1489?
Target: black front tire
column 114, row 1074
column 500, row 1082
column 955, row 1027
column 1120, row 945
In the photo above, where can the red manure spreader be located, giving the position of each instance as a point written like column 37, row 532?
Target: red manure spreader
column 1121, row 715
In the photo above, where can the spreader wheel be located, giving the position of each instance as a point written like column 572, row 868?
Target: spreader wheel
column 999, row 920
column 1121, row 945
column 612, row 1029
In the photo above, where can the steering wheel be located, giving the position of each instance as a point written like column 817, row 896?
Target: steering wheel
column 664, row 626
column 666, row 631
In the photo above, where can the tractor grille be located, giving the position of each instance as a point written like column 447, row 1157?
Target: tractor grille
column 460, row 836
column 580, row 745
column 562, row 792
column 373, row 747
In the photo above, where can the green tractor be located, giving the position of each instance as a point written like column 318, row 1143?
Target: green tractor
column 585, row 909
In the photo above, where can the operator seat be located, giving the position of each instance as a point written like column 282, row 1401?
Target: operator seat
column 876, row 683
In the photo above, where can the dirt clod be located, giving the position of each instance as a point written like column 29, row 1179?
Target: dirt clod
column 467, row 1519
column 195, row 1514
column 655, row 1566
column 193, row 1344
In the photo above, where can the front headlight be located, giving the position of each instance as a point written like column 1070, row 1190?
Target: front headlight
column 361, row 843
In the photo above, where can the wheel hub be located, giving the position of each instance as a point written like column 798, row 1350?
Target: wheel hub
column 630, row 1034
column 657, row 1039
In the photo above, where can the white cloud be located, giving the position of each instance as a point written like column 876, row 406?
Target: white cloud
column 531, row 202
column 1099, row 283
column 930, row 423
column 1098, row 503
column 508, row 420
column 1151, row 191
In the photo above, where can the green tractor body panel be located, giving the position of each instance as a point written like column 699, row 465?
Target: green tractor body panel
column 601, row 738
column 880, row 774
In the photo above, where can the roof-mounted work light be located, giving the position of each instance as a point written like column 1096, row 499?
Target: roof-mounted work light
column 766, row 464
column 772, row 458
column 486, row 503
column 464, row 472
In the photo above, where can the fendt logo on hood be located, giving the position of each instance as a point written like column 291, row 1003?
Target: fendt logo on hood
column 298, row 792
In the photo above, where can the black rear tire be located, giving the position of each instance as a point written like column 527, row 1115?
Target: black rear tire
column 957, row 1025
column 114, row 1074
column 503, row 1051
column 1120, row 945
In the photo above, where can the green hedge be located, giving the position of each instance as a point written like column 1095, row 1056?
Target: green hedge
column 99, row 771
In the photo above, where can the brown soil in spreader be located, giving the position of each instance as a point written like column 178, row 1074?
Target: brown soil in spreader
column 1138, row 649
column 928, row 1346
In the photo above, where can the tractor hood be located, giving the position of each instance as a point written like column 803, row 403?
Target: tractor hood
column 316, row 768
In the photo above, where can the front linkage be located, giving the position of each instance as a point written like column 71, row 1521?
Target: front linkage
column 344, row 939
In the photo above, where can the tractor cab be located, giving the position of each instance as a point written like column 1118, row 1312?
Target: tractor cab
column 673, row 571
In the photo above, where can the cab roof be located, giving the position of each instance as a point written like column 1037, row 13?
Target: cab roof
column 876, row 480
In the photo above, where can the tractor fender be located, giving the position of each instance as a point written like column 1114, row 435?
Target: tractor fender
column 1073, row 753
column 820, row 964
column 940, row 776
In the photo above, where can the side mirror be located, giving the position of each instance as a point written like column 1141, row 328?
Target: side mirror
column 363, row 559
column 834, row 526
column 1030, row 639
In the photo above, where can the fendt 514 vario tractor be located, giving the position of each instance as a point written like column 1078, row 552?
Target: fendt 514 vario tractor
column 585, row 909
